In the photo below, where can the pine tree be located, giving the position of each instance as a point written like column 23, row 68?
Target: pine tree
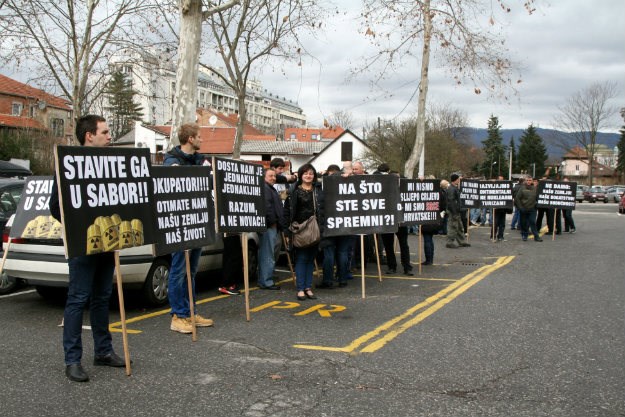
column 532, row 152
column 495, row 162
column 121, row 105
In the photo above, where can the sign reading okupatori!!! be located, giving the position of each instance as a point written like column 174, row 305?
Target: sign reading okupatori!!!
column 556, row 194
column 239, row 196
column 469, row 194
column 105, row 197
column 183, row 208
column 496, row 194
column 32, row 217
column 420, row 201
column 361, row 204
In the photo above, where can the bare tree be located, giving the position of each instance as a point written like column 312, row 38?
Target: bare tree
column 67, row 42
column 257, row 31
column 342, row 118
column 192, row 14
column 449, row 28
column 583, row 115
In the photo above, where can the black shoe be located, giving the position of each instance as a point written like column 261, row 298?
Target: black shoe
column 310, row 295
column 342, row 284
column 407, row 267
column 391, row 271
column 301, row 297
column 109, row 360
column 537, row 239
column 325, row 286
column 408, row 273
column 75, row 373
column 271, row 287
column 465, row 245
column 426, row 263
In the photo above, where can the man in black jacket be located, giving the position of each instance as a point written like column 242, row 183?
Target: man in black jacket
column 270, row 239
column 455, row 229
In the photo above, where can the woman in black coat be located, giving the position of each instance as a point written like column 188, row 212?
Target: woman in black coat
column 305, row 199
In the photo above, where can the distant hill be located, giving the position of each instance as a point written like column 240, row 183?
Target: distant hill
column 554, row 151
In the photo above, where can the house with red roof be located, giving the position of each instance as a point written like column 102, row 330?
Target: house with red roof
column 23, row 107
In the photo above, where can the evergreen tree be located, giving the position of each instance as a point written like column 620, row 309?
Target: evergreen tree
column 495, row 162
column 121, row 105
column 620, row 167
column 532, row 150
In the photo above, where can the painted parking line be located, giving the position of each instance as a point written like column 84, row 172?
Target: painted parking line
column 15, row 294
column 383, row 334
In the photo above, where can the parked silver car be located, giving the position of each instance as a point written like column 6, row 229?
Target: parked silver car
column 42, row 263
column 614, row 194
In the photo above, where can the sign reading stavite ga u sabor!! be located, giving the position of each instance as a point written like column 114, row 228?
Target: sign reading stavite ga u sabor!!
column 106, row 198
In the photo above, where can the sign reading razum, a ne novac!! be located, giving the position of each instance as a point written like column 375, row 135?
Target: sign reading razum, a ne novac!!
column 239, row 196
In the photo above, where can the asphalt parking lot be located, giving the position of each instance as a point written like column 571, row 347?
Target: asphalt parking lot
column 509, row 328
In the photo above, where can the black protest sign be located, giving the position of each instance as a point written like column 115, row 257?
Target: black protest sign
column 420, row 201
column 104, row 192
column 32, row 218
column 469, row 194
column 239, row 196
column 496, row 194
column 183, row 208
column 361, row 204
column 556, row 194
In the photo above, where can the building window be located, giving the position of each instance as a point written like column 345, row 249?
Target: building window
column 313, row 136
column 346, row 151
column 16, row 109
column 292, row 137
column 58, row 127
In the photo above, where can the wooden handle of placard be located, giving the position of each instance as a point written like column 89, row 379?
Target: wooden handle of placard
column 246, row 275
column 191, row 300
column 362, row 263
column 288, row 256
column 122, row 312
column 377, row 256
column 420, row 248
column 4, row 255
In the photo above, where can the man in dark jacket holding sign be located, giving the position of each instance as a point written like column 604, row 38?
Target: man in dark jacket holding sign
column 90, row 280
column 270, row 239
column 184, row 154
column 455, row 229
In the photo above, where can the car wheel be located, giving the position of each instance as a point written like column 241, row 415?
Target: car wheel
column 605, row 201
column 155, row 288
column 52, row 294
column 7, row 283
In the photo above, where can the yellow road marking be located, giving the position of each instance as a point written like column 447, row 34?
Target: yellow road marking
column 394, row 327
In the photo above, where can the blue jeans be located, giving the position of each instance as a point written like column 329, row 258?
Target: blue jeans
column 515, row 218
column 266, row 255
column 304, row 266
column 528, row 223
column 329, row 252
column 428, row 247
column 90, row 282
column 178, row 290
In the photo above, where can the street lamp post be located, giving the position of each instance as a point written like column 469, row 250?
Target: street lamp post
column 491, row 169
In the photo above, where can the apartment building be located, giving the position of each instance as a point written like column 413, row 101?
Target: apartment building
column 154, row 79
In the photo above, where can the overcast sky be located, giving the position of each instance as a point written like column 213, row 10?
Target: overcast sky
column 564, row 47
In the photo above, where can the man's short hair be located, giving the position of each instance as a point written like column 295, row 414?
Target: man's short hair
column 277, row 163
column 187, row 131
column 88, row 123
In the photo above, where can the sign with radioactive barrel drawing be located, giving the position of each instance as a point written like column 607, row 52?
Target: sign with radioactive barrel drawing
column 32, row 218
column 105, row 198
